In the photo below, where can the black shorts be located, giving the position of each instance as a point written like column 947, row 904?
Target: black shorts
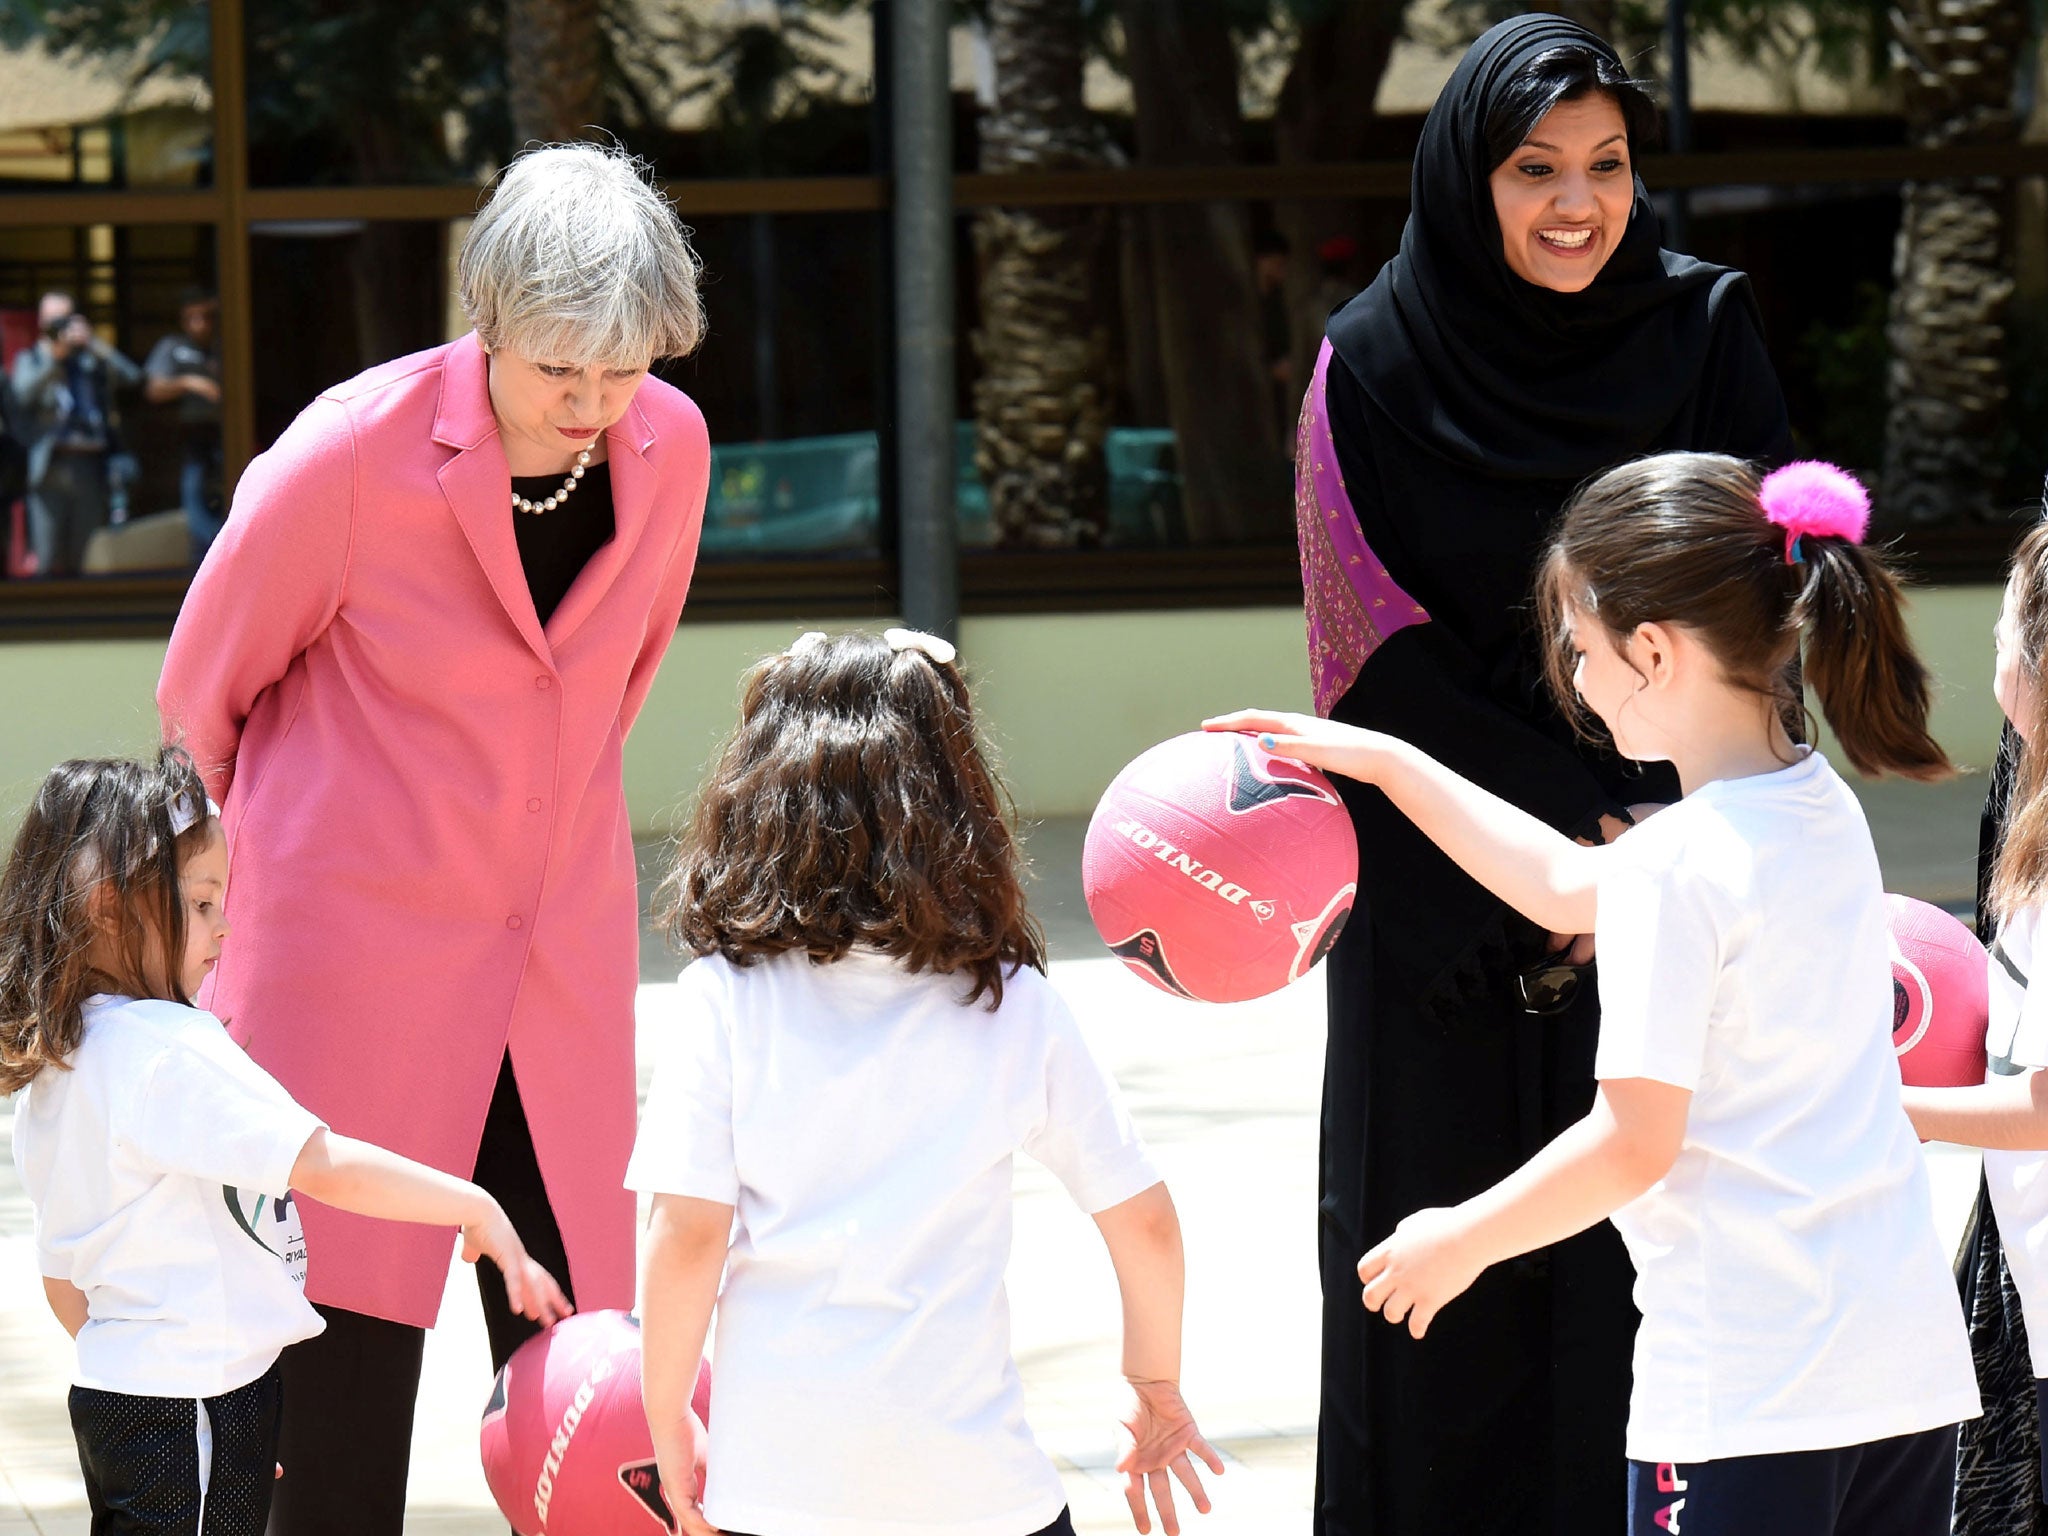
column 1064, row 1526
column 178, row 1466
column 1898, row 1487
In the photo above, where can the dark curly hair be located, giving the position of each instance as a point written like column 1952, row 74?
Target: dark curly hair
column 99, row 846
column 853, row 806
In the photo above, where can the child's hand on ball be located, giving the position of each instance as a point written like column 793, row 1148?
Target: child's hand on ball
column 1308, row 739
column 1426, row 1263
column 529, row 1289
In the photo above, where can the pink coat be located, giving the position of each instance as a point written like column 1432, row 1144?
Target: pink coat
column 430, row 859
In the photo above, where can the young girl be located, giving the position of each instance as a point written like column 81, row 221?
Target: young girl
column 161, row 1161
column 1801, row 1362
column 867, row 1039
column 2008, row 1115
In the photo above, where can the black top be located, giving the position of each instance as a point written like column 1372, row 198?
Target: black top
column 555, row 546
column 1465, row 405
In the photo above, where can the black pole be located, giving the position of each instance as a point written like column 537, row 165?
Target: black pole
column 921, row 214
column 1678, row 78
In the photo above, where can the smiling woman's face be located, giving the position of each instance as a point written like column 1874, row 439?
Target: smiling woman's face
column 1564, row 196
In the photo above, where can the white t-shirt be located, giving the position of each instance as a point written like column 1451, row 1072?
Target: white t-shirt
column 862, row 1121
column 158, row 1167
column 2018, row 1039
column 1794, row 1293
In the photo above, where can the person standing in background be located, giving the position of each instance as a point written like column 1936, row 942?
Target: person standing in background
column 184, row 371
column 64, row 386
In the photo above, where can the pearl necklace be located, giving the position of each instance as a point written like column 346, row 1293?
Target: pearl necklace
column 548, row 504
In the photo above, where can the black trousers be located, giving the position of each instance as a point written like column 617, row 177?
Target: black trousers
column 178, row 1466
column 349, row 1394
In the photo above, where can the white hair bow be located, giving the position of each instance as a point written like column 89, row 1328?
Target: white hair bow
column 940, row 650
column 188, row 810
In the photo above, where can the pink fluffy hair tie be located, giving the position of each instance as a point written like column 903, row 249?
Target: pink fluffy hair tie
column 1814, row 498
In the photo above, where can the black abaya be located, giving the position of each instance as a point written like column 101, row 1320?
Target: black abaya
column 1509, row 1416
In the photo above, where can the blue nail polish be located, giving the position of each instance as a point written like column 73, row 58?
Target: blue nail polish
column 1266, row 740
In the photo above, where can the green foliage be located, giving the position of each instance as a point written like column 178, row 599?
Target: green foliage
column 378, row 79
column 1841, row 38
column 756, row 70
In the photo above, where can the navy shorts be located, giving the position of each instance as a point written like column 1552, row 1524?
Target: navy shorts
column 178, row 1466
column 1064, row 1526
column 1899, row 1487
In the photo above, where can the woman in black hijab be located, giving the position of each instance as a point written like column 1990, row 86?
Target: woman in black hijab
column 1530, row 334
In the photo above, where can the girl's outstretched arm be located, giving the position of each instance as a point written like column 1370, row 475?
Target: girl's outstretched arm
column 680, row 1267
column 1143, row 1236
column 2010, row 1115
column 1532, row 867
column 355, row 1176
column 1627, row 1143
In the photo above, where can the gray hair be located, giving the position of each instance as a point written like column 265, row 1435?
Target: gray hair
column 578, row 259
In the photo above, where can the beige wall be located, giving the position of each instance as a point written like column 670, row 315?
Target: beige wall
column 1066, row 699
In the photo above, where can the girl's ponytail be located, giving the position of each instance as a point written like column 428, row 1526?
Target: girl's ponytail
column 1860, row 662
column 1750, row 566
column 1859, row 658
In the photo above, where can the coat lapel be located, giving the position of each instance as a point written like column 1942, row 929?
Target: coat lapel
column 626, row 447
column 478, row 487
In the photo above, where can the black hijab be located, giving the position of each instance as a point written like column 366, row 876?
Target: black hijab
column 1487, row 369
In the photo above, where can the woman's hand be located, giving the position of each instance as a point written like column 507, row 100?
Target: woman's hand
column 679, row 1456
column 1162, row 1435
column 529, row 1289
column 1309, row 739
column 1428, row 1261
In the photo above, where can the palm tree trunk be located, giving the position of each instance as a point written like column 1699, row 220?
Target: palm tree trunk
column 1951, row 277
column 1324, row 114
column 1184, row 87
column 552, row 52
column 1041, row 401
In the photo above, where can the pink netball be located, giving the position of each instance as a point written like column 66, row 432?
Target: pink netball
column 565, row 1442
column 1218, row 871
column 1940, row 996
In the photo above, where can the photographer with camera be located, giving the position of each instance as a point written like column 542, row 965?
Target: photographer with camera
column 64, row 386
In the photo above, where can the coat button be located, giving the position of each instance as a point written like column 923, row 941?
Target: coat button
column 543, row 683
column 533, row 805
column 515, row 921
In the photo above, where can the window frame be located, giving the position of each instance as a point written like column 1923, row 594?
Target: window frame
column 1006, row 582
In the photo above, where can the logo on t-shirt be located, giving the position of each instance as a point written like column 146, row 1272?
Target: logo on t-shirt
column 273, row 1225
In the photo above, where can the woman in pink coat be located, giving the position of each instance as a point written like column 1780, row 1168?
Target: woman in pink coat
column 408, row 667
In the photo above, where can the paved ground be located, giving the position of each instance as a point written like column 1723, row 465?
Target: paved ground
column 1227, row 1098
